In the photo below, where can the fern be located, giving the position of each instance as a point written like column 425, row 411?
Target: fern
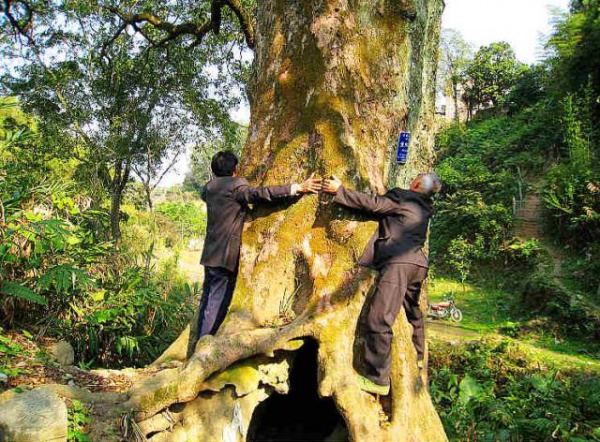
column 21, row 292
column 64, row 278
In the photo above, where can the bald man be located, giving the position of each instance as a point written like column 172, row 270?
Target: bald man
column 395, row 250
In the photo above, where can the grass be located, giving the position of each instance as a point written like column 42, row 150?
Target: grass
column 494, row 312
column 189, row 265
column 485, row 310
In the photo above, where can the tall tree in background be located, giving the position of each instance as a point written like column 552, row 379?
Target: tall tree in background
column 112, row 103
column 202, row 152
column 333, row 83
column 575, row 53
column 491, row 74
column 455, row 56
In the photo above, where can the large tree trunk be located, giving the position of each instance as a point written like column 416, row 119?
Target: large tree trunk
column 334, row 83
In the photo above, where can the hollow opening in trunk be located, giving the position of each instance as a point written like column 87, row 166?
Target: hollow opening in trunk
column 301, row 414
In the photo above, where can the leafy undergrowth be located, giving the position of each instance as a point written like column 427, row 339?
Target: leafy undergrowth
column 79, row 419
column 495, row 390
column 25, row 364
column 510, row 376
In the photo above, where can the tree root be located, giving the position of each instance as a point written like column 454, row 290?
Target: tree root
column 212, row 354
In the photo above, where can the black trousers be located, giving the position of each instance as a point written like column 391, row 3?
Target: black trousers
column 217, row 291
column 398, row 285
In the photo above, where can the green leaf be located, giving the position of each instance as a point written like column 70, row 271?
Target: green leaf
column 104, row 316
column 469, row 389
column 19, row 291
column 64, row 278
column 99, row 295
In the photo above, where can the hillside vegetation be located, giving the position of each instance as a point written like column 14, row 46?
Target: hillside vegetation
column 516, row 243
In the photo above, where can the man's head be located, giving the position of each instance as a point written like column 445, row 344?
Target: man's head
column 427, row 183
column 224, row 163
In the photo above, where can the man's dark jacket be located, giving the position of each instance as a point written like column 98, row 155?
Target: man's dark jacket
column 227, row 200
column 403, row 217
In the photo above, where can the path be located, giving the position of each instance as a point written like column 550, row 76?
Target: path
column 449, row 331
column 528, row 220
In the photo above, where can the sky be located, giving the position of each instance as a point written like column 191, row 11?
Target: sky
column 519, row 22
column 522, row 23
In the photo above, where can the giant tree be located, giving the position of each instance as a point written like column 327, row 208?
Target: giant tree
column 333, row 83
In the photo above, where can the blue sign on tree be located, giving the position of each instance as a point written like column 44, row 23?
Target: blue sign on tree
column 403, row 142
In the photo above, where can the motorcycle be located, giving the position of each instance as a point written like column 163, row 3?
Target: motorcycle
column 442, row 309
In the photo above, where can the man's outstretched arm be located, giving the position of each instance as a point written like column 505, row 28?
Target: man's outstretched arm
column 378, row 205
column 250, row 195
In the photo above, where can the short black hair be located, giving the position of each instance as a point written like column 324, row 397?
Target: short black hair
column 224, row 163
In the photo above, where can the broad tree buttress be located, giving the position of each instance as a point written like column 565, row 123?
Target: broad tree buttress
column 334, row 82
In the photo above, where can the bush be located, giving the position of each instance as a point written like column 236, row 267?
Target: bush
column 569, row 311
column 56, row 273
column 585, row 269
column 490, row 391
column 188, row 218
column 129, row 321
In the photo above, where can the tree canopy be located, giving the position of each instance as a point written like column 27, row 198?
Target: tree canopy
column 491, row 74
column 455, row 56
column 114, row 94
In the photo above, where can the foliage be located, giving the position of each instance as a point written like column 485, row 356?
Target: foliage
column 569, row 311
column 490, row 391
column 480, row 166
column 9, row 349
column 57, row 272
column 113, row 105
column 529, row 88
column 188, row 218
column 575, row 50
column 572, row 192
column 491, row 74
column 461, row 254
column 454, row 58
column 584, row 268
column 79, row 418
column 130, row 320
column 200, row 171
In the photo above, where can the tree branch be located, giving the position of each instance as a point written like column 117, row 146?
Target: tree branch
column 166, row 170
column 174, row 31
column 21, row 26
column 245, row 20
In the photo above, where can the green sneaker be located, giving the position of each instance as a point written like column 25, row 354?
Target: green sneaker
column 371, row 387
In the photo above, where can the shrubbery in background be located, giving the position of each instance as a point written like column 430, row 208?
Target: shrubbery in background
column 545, row 131
column 480, row 166
column 59, row 276
column 489, row 391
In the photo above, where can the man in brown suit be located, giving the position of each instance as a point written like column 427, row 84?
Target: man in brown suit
column 396, row 251
column 227, row 198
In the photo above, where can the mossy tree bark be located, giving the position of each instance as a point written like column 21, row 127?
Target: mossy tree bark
column 334, row 83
